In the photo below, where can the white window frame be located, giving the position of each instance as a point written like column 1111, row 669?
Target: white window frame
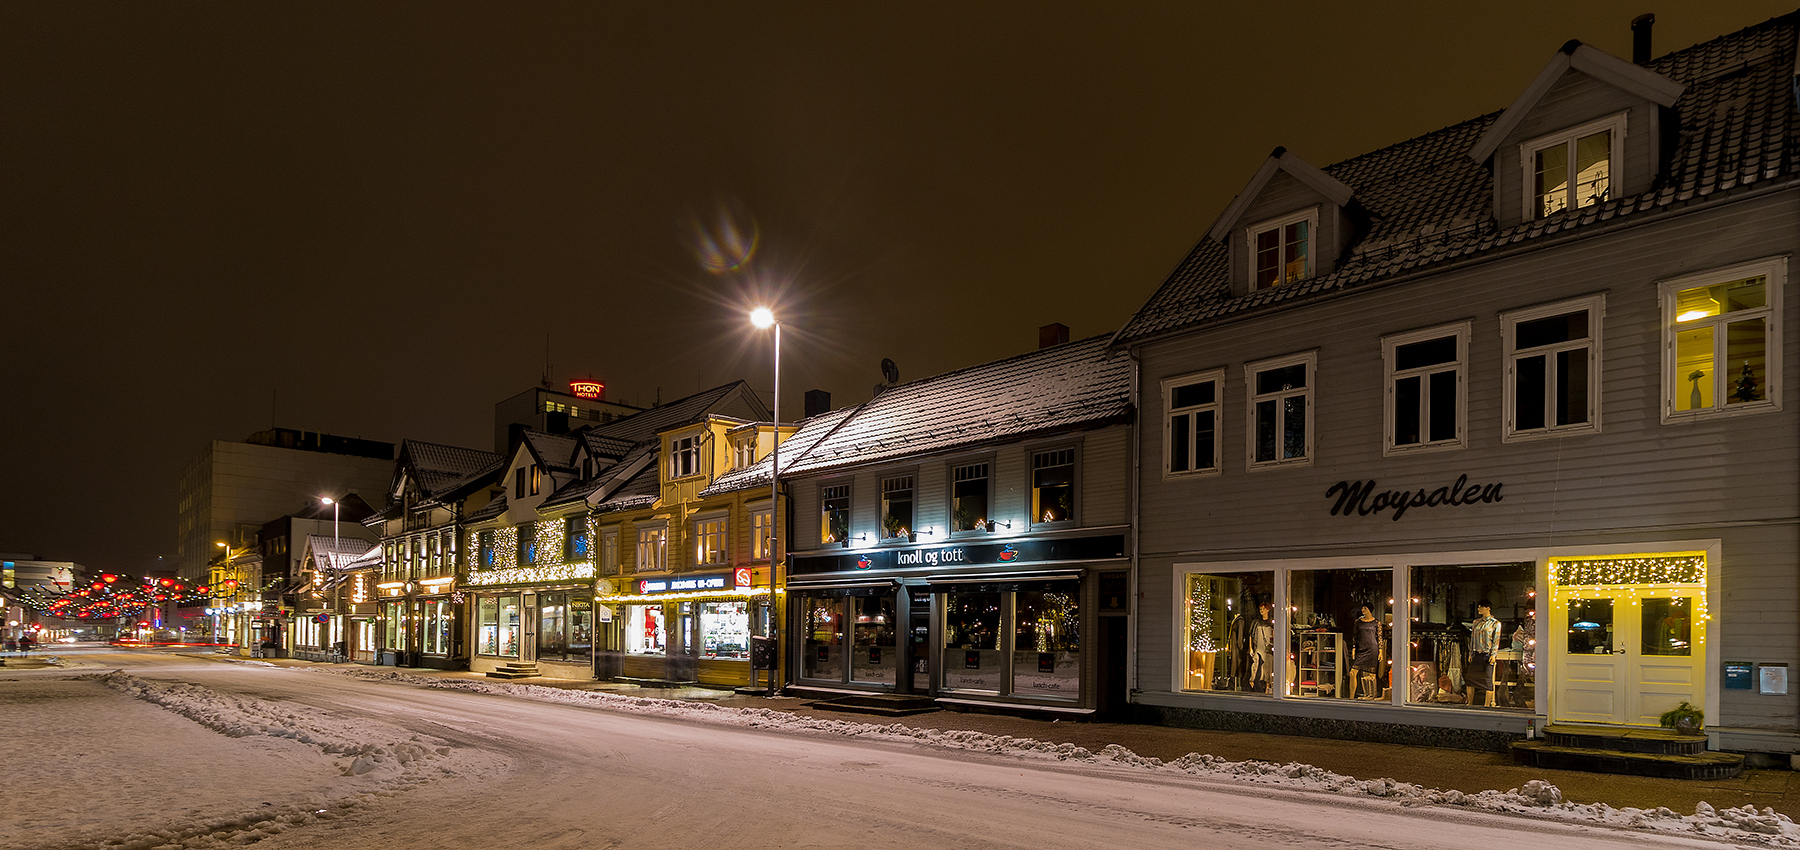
column 1311, row 217
column 651, row 553
column 1031, row 467
column 1528, row 151
column 1170, row 412
column 1774, row 270
column 1311, row 360
column 691, row 450
column 609, row 551
column 849, row 513
column 721, row 537
column 912, row 487
column 760, row 525
column 1391, row 376
column 1595, row 305
column 743, row 452
column 950, row 530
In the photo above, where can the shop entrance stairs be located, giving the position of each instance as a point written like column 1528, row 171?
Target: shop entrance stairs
column 516, row 670
column 1641, row 752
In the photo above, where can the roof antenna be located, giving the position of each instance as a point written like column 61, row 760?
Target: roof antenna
column 546, row 379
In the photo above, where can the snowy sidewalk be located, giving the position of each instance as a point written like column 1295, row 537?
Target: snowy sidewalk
column 1430, row 767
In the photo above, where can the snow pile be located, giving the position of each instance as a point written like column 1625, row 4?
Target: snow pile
column 1536, row 798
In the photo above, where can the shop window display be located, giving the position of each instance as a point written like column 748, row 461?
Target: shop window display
column 873, row 650
column 724, row 630
column 645, row 632
column 1047, row 643
column 438, row 624
column 393, row 614
column 1231, row 632
column 1474, row 636
column 972, row 631
column 1340, row 634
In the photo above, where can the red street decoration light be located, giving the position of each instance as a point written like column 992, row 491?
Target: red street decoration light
column 109, row 578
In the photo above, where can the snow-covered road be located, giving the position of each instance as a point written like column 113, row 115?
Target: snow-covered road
column 187, row 753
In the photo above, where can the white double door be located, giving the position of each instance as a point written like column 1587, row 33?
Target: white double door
column 1624, row 655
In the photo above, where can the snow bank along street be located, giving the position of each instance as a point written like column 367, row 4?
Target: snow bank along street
column 189, row 755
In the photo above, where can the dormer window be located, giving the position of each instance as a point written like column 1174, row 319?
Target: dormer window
column 743, row 452
column 1281, row 250
column 684, row 456
column 1573, row 168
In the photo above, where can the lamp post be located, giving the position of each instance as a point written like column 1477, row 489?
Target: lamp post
column 763, row 317
column 337, row 607
column 219, row 582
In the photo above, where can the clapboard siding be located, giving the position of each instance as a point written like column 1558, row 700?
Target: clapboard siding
column 1105, row 478
column 1575, row 100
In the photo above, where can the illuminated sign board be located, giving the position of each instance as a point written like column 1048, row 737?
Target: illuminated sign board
column 686, row 584
column 587, row 389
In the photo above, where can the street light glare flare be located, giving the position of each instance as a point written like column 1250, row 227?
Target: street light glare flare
column 325, row 500
column 762, row 317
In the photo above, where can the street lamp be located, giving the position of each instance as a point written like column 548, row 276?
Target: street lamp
column 219, row 582
column 763, row 317
column 337, row 606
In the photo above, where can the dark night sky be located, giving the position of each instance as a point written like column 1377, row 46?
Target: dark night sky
column 378, row 211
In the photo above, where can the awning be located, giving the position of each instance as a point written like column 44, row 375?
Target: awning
column 834, row 586
column 1046, row 580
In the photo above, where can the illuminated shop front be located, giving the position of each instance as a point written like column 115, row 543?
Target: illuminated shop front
column 684, row 627
column 988, row 622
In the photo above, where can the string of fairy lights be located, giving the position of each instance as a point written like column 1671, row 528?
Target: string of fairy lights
column 1647, row 576
column 110, row 596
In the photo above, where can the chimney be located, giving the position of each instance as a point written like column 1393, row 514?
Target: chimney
column 817, row 402
column 1640, row 38
column 1055, row 333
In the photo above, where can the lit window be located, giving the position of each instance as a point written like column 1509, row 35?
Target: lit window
column 484, row 541
column 834, row 514
column 528, row 549
column 1281, row 250
column 743, row 452
column 1552, row 356
column 1053, row 486
column 709, row 542
column 1572, row 168
column 650, row 549
column 1280, row 410
column 1722, row 335
column 759, row 535
column 969, row 497
column 1425, row 388
column 576, row 542
column 1191, row 429
column 897, row 508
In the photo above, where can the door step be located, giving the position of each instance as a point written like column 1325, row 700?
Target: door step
column 885, row 705
column 516, row 670
column 1641, row 752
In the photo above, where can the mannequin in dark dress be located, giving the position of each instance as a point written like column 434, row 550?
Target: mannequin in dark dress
column 1367, row 631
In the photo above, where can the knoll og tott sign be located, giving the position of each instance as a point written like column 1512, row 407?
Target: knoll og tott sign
column 1362, row 499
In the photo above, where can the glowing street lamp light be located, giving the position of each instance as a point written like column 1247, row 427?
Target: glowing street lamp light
column 763, row 318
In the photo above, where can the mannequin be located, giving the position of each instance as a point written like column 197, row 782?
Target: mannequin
column 1262, row 649
column 1484, row 638
column 1367, row 630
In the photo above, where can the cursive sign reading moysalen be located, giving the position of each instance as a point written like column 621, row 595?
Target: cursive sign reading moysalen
column 1360, row 497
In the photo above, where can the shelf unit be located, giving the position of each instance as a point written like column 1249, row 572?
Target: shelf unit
column 1321, row 664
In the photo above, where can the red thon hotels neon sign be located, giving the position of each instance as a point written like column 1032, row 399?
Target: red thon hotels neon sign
column 587, row 389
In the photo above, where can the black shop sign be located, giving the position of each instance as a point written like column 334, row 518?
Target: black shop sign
column 964, row 555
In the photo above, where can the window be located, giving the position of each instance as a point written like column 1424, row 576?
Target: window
column 759, row 535
column 1346, row 647
column 1450, row 635
column 725, row 630
column 650, row 549
column 1552, row 374
column 1426, row 394
column 897, row 508
column 448, row 541
column 528, row 548
column 1230, row 633
column 743, row 452
column 497, row 626
column 834, row 514
column 609, row 552
column 1571, row 169
column 1281, row 250
column 709, row 541
column 1281, row 410
column 969, row 497
column 684, row 456
column 1053, row 486
column 484, row 542
column 1722, row 335
column 565, row 626
column 519, row 483
column 577, row 544
column 439, row 622
column 537, row 475
column 644, row 630
column 1191, row 431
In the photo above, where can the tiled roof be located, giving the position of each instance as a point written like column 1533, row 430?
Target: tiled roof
column 555, row 451
column 1068, row 386
column 639, row 427
column 810, row 432
column 1429, row 203
column 337, row 554
column 495, row 507
column 605, row 446
column 439, row 468
column 640, row 490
